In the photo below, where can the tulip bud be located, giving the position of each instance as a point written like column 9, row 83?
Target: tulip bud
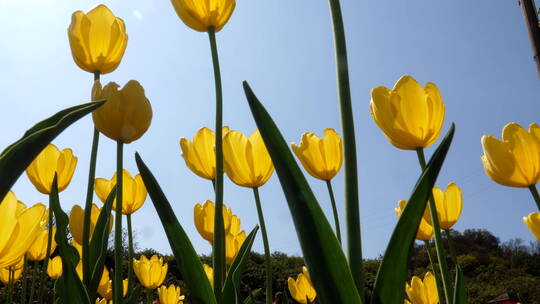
column 302, row 289
column 38, row 250
column 49, row 162
column 199, row 154
column 54, row 268
column 533, row 222
column 170, row 295
column 423, row 291
column 76, row 220
column 97, row 39
column 233, row 243
column 126, row 114
column 448, row 203
column 203, row 216
column 150, row 272
column 200, row 15
column 5, row 273
column 133, row 193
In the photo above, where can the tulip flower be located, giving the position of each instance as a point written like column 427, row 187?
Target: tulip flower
column 105, row 288
column 411, row 116
column 448, row 203
column 302, row 289
column 513, row 161
column 50, row 161
column 203, row 216
column 104, row 277
column 199, row 154
column 201, row 15
column 425, row 230
column 6, row 272
column 103, row 301
column 321, row 157
column 97, row 39
column 38, row 250
column 246, row 160
column 54, row 268
column 234, row 228
column 127, row 113
column 76, row 220
column 19, row 227
column 78, row 247
column 209, row 273
column 533, row 222
column 150, row 272
column 422, row 291
column 233, row 243
column 170, row 295
column 133, row 193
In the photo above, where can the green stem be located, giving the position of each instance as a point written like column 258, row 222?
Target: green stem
column 435, row 273
column 218, row 248
column 131, row 252
column 334, row 209
column 47, row 256
column 149, row 296
column 535, row 195
column 352, row 208
column 88, row 202
column 118, row 250
column 10, row 286
column 34, row 280
column 438, row 238
column 451, row 246
column 24, row 280
column 268, row 264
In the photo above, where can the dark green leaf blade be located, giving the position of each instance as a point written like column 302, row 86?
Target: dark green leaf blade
column 69, row 285
column 460, row 290
column 251, row 297
column 16, row 157
column 188, row 261
column 393, row 269
column 325, row 259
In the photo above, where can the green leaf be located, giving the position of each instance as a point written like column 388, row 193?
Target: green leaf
column 16, row 157
column 231, row 287
column 251, row 298
column 460, row 290
column 325, row 259
column 393, row 269
column 69, row 287
column 189, row 264
column 98, row 244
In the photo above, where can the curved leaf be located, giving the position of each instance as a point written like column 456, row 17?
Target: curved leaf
column 324, row 257
column 188, row 261
column 460, row 290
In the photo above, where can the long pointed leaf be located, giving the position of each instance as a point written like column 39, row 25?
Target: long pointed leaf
column 69, row 287
column 392, row 274
column 188, row 261
column 16, row 157
column 327, row 264
column 460, row 290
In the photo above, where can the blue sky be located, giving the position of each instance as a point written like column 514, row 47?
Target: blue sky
column 477, row 52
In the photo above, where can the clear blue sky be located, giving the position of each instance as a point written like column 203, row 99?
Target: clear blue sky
column 477, row 52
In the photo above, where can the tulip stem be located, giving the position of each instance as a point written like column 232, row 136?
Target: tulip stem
column 118, row 250
column 438, row 238
column 131, row 251
column 10, row 287
column 47, row 253
column 352, row 208
column 451, row 246
column 149, row 296
column 24, row 280
column 88, row 206
column 435, row 272
column 535, row 195
column 267, row 257
column 218, row 247
column 34, row 280
column 334, row 209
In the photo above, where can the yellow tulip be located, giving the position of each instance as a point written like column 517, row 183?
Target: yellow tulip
column 233, row 242
column 98, row 40
column 76, row 220
column 103, row 301
column 425, row 230
column 105, row 288
column 202, row 14
column 513, row 161
column 410, row 116
column 78, row 247
column 234, row 228
column 422, row 291
column 38, row 250
column 54, row 268
column 19, row 227
column 104, row 276
column 50, row 161
column 321, row 157
column 209, row 273
column 199, row 154
column 150, row 272
column 448, row 203
column 133, row 193
column 302, row 289
column 6, row 272
column 203, row 216
column 170, row 295
column 246, row 160
column 533, row 222
column 127, row 113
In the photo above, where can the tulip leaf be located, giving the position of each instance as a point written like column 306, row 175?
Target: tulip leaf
column 16, row 157
column 393, row 269
column 252, row 294
column 460, row 289
column 189, row 263
column 69, row 287
column 231, row 287
column 98, row 244
column 324, row 257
